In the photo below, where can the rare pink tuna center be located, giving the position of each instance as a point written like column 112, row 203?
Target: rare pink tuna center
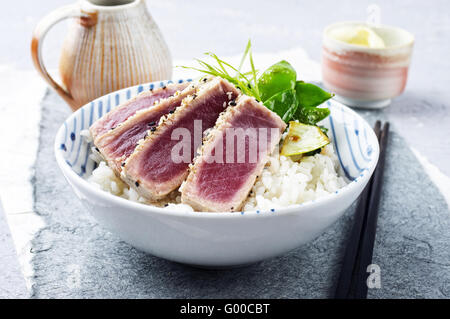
column 232, row 145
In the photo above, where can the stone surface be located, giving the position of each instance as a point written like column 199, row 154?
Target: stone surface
column 12, row 283
column 76, row 257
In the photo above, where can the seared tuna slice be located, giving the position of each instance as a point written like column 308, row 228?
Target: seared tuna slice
column 122, row 112
column 151, row 169
column 116, row 145
column 233, row 155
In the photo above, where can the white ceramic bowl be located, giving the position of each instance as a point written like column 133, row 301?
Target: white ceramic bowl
column 216, row 239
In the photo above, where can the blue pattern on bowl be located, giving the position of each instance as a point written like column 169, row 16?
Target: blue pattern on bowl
column 352, row 148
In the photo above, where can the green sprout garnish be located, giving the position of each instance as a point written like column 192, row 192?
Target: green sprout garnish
column 225, row 70
column 277, row 87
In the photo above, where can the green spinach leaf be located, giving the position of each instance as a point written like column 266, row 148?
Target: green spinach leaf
column 279, row 77
column 310, row 95
column 283, row 103
column 311, row 115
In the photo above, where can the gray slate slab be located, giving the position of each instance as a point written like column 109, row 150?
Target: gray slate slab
column 74, row 257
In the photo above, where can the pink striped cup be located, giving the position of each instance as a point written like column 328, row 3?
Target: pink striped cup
column 366, row 77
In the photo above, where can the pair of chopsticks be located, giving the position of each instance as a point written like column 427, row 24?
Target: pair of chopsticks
column 352, row 283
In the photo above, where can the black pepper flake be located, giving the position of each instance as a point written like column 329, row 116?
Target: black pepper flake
column 136, row 183
column 171, row 111
column 112, row 128
column 164, row 87
column 205, row 79
column 238, row 88
column 123, row 164
column 151, row 123
column 153, row 129
column 233, row 103
column 194, row 96
column 249, row 86
column 165, row 205
column 96, row 148
column 257, row 100
column 232, row 207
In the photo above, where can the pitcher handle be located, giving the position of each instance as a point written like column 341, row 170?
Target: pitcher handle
column 69, row 11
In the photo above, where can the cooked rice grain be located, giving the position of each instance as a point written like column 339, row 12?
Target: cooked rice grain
column 285, row 182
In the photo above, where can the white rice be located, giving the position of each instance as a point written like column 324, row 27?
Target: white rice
column 283, row 182
column 104, row 178
column 86, row 135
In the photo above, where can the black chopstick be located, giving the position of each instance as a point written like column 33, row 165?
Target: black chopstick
column 351, row 253
column 358, row 255
column 368, row 240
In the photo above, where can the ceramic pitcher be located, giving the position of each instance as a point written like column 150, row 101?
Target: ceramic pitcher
column 111, row 44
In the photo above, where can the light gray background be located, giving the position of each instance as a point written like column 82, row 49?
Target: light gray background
column 12, row 283
column 412, row 241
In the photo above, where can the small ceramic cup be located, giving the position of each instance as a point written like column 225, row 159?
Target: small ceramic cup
column 366, row 77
